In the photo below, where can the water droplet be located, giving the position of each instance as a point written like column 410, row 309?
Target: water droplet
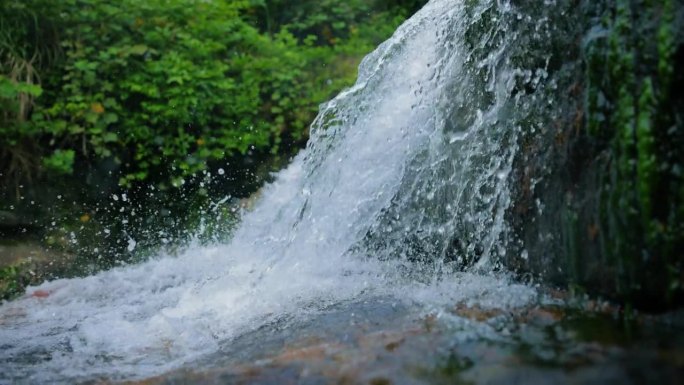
column 131, row 244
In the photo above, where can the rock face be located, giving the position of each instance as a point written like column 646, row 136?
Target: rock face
column 465, row 345
column 599, row 198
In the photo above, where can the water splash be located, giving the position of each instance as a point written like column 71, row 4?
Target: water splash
column 406, row 176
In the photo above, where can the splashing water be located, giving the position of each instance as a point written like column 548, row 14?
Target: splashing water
column 404, row 181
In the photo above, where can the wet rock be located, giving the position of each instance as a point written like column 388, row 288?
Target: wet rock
column 599, row 197
column 563, row 344
column 476, row 313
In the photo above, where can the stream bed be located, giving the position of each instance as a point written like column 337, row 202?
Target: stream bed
column 380, row 341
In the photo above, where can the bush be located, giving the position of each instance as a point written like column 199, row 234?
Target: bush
column 150, row 99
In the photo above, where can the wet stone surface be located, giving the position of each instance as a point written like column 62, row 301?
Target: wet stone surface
column 379, row 342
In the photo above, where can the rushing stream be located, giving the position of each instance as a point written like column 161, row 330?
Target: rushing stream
column 399, row 200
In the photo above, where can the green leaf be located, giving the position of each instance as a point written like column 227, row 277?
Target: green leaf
column 60, row 162
column 110, row 137
column 138, row 49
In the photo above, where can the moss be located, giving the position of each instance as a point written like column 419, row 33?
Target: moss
column 666, row 43
column 10, row 282
column 630, row 110
column 646, row 161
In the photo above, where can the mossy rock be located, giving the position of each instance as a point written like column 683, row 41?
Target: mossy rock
column 613, row 220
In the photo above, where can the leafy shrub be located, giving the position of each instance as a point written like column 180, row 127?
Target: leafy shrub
column 150, row 98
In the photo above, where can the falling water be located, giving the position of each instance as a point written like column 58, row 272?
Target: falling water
column 402, row 192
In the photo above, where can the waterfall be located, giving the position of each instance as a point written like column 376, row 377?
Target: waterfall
column 402, row 192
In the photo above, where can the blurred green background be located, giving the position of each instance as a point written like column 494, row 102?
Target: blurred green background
column 131, row 125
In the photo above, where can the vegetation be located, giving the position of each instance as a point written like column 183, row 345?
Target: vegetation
column 113, row 112
column 614, row 201
column 635, row 109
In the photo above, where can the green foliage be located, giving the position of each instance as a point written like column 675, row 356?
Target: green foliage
column 10, row 90
column 634, row 106
column 61, row 161
column 151, row 98
column 14, row 97
column 10, row 282
column 163, row 88
column 331, row 22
